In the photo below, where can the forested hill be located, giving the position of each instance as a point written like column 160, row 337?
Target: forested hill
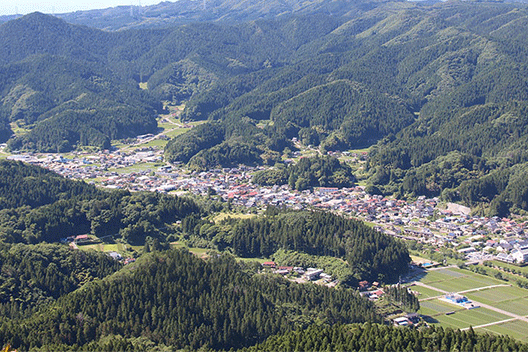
column 37, row 206
column 175, row 299
column 401, row 72
column 374, row 337
column 59, row 83
column 35, row 276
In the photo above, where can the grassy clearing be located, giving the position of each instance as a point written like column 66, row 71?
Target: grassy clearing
column 154, row 143
column 91, row 247
column 166, row 125
column 105, row 247
column 359, row 151
column 223, row 216
column 200, row 252
column 175, row 131
column 196, row 251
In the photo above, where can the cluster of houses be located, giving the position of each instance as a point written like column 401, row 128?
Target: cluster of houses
column 86, row 165
column 309, row 274
column 477, row 238
column 409, row 319
column 512, row 252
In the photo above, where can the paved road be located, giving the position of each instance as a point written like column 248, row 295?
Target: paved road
column 442, row 267
column 490, row 324
column 418, row 283
column 484, row 288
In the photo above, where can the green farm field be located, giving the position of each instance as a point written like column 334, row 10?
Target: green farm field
column 497, row 295
column 472, row 317
column 508, row 298
column 434, row 276
column 425, row 292
column 518, row 306
column 436, row 307
column 456, row 280
column 516, row 329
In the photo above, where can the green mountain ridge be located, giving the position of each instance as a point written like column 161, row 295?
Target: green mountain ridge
column 421, row 80
column 169, row 14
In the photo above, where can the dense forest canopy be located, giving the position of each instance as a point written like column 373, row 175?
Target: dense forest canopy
column 34, row 276
column 342, row 79
column 172, row 13
column 370, row 254
column 174, row 298
column 308, row 173
column 40, row 206
column 374, row 337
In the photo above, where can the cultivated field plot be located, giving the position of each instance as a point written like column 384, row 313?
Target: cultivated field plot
column 472, row 317
column 516, row 329
column 425, row 292
column 440, row 275
column 511, row 299
column 508, row 298
column 496, row 295
column 518, row 306
column 436, row 307
column 455, row 280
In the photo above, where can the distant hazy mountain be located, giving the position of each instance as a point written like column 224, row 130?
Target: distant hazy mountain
column 169, row 13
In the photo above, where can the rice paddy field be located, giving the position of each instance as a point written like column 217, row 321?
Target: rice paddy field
column 479, row 289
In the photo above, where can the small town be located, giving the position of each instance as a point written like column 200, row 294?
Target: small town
column 424, row 220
